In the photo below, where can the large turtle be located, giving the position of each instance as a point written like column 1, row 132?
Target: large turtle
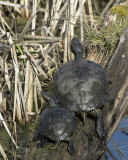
column 82, row 86
column 56, row 124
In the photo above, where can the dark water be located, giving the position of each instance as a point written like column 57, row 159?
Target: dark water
column 118, row 144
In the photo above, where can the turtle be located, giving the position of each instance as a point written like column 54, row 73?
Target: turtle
column 82, row 86
column 56, row 124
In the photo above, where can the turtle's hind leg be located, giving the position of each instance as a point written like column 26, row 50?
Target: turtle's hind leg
column 71, row 148
column 100, row 124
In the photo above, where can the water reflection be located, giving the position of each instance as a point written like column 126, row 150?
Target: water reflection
column 118, row 144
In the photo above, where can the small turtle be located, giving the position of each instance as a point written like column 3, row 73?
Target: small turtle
column 82, row 86
column 56, row 124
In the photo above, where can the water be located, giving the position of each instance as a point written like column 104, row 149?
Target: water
column 118, row 144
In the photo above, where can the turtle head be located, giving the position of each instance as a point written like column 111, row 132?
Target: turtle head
column 49, row 99
column 76, row 48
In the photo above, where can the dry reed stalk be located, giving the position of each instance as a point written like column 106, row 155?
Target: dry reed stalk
column 7, row 77
column 35, row 95
column 29, row 105
column 71, row 18
column 77, row 14
column 47, row 11
column 57, row 16
column 2, row 31
column 30, row 42
column 1, row 98
column 31, row 37
column 36, row 80
column 29, row 102
column 4, row 104
column 2, row 65
column 107, row 7
column 22, row 3
column 23, row 102
column 22, row 6
column 45, row 55
column 17, row 100
column 4, row 24
column 85, row 22
column 75, row 4
column 48, row 61
column 31, row 88
column 11, row 13
column 26, row 87
column 47, row 30
column 34, row 19
column 34, row 62
column 81, row 21
column 17, row 104
column 90, row 12
column 37, row 91
column 71, row 27
column 2, row 21
column 96, row 6
column 27, row 26
column 50, row 49
column 65, row 59
column 16, row 9
column 6, row 127
column 63, row 30
column 3, row 153
column 53, row 8
column 56, row 7
column 8, row 35
column 68, row 33
column 26, row 8
column 44, row 30
column 70, row 55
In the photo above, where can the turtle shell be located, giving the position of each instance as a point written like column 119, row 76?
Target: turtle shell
column 57, row 123
column 81, row 85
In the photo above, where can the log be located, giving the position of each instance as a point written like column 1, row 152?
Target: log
column 118, row 70
column 86, row 141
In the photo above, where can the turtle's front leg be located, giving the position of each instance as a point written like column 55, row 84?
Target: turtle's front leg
column 42, row 143
column 100, row 124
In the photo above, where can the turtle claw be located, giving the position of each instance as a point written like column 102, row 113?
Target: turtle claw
column 101, row 134
column 71, row 148
column 42, row 143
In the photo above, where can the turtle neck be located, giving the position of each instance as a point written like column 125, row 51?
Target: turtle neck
column 78, row 56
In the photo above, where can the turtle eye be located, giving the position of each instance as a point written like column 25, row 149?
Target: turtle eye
column 72, row 44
